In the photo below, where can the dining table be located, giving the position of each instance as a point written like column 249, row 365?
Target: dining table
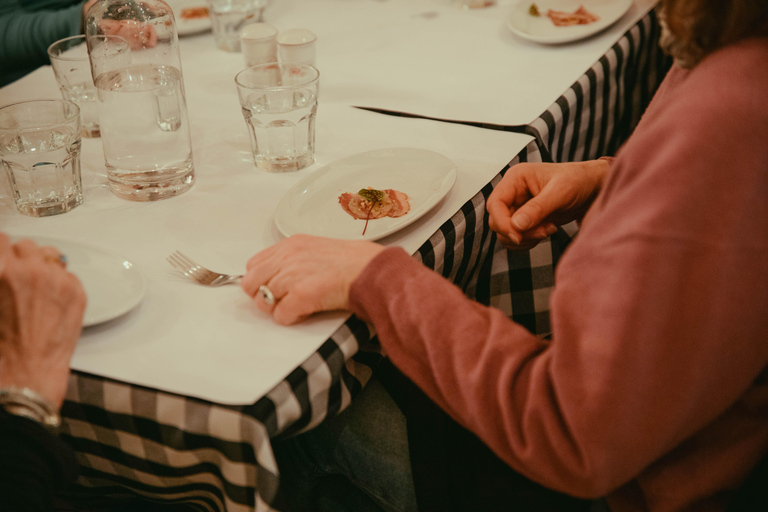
column 178, row 389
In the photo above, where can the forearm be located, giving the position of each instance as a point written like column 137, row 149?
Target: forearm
column 565, row 414
column 33, row 465
column 25, row 36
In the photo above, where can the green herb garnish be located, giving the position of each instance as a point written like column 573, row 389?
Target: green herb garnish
column 533, row 10
column 373, row 196
column 369, row 194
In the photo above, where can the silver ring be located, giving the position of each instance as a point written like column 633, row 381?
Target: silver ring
column 267, row 294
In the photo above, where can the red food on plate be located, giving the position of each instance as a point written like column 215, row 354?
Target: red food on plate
column 565, row 19
column 192, row 13
column 369, row 203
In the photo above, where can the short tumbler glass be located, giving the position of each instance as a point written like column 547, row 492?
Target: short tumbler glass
column 72, row 68
column 69, row 59
column 40, row 151
column 279, row 104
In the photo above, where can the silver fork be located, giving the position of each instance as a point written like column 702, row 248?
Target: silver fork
column 200, row 274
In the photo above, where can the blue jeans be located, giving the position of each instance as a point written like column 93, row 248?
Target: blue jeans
column 357, row 461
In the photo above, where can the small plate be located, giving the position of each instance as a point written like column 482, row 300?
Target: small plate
column 112, row 284
column 312, row 205
column 540, row 29
column 187, row 26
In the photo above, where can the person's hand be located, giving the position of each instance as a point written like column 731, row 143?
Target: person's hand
column 41, row 315
column 306, row 275
column 137, row 35
column 534, row 198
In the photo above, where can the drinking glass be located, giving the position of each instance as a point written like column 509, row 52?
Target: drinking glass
column 229, row 16
column 279, row 104
column 40, row 151
column 72, row 68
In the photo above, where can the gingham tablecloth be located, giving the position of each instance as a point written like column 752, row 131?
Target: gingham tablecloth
column 170, row 448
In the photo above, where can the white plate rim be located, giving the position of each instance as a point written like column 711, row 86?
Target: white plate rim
column 284, row 213
column 126, row 304
column 616, row 9
column 189, row 27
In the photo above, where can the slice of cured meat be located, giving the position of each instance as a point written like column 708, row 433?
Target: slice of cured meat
column 368, row 204
column 191, row 13
column 580, row 16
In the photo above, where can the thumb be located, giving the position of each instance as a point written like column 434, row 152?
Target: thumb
column 534, row 211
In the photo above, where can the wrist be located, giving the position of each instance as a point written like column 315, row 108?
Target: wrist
column 27, row 403
column 49, row 383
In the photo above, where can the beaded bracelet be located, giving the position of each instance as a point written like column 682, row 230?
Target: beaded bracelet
column 28, row 404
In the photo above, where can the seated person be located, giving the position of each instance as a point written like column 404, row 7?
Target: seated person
column 41, row 315
column 28, row 28
column 653, row 390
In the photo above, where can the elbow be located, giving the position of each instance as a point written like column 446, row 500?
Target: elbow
column 592, row 479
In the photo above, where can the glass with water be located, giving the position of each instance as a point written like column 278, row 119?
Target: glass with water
column 40, row 152
column 279, row 104
column 69, row 60
column 229, row 16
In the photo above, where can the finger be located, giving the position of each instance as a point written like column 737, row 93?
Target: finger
column 525, row 245
column 266, row 298
column 293, row 308
column 26, row 248
column 540, row 232
column 73, row 308
column 500, row 216
column 261, row 268
column 534, row 212
column 52, row 255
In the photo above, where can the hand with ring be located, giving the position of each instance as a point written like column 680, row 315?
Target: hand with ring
column 304, row 274
column 41, row 315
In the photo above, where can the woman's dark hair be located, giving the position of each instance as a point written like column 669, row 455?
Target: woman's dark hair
column 692, row 29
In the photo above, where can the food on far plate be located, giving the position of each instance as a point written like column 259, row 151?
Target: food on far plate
column 566, row 19
column 369, row 203
column 193, row 13
column 533, row 10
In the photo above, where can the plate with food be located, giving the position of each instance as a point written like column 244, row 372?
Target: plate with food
column 564, row 21
column 191, row 16
column 112, row 284
column 366, row 196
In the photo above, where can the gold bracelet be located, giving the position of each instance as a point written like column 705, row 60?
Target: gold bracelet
column 28, row 404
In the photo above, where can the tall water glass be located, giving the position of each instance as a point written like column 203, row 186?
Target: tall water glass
column 229, row 16
column 142, row 106
column 72, row 68
column 279, row 104
column 40, row 152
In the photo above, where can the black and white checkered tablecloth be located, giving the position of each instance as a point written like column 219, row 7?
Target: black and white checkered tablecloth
column 170, row 448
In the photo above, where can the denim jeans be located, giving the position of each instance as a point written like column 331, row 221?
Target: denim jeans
column 357, row 461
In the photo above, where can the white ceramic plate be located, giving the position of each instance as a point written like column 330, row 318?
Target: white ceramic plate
column 540, row 29
column 312, row 205
column 190, row 25
column 112, row 284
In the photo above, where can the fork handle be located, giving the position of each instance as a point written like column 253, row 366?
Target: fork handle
column 226, row 280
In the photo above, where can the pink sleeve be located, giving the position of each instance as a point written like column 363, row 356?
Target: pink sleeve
column 658, row 312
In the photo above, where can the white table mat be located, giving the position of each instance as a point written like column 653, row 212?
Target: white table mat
column 213, row 343
column 431, row 58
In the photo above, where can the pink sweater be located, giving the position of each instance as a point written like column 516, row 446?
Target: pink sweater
column 654, row 390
